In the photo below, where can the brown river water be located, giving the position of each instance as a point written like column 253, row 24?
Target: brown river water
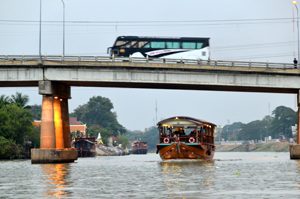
column 230, row 175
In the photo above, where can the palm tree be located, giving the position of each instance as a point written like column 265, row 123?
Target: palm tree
column 4, row 100
column 20, row 100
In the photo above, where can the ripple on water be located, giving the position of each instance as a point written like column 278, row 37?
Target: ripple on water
column 231, row 175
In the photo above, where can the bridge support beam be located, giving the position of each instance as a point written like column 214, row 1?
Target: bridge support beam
column 295, row 148
column 55, row 127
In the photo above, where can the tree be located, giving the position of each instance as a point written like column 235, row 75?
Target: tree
column 98, row 111
column 251, row 131
column 20, row 100
column 36, row 111
column 9, row 149
column 4, row 100
column 15, row 123
column 284, row 118
column 122, row 140
column 150, row 136
column 231, row 131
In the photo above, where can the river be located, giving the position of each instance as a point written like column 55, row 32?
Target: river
column 230, row 175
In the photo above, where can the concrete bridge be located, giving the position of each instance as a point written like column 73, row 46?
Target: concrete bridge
column 55, row 75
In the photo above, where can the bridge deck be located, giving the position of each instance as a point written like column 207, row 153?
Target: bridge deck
column 16, row 60
column 17, row 71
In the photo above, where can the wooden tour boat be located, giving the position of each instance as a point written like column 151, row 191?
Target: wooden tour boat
column 186, row 138
column 139, row 147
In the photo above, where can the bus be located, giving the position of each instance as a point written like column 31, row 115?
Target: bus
column 160, row 47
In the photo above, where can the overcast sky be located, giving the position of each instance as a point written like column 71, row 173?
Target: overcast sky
column 256, row 30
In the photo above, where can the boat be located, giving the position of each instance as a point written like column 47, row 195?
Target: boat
column 86, row 147
column 139, row 147
column 184, row 137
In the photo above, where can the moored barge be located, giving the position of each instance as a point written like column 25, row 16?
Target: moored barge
column 86, row 147
column 184, row 137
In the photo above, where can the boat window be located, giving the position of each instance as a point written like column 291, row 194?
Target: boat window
column 188, row 45
column 89, row 146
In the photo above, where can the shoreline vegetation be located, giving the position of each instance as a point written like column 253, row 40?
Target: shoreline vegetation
column 257, row 147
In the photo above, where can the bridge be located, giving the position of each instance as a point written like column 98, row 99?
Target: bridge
column 56, row 74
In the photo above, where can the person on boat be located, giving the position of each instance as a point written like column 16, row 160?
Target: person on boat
column 174, row 134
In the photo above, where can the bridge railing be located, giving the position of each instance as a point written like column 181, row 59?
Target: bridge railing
column 6, row 59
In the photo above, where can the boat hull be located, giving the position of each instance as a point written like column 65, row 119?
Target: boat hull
column 86, row 153
column 185, row 151
column 139, row 151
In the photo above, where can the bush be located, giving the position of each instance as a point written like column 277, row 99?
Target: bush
column 9, row 149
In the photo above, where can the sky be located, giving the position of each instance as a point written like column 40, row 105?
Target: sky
column 256, row 30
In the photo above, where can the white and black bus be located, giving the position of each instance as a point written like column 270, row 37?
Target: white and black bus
column 159, row 47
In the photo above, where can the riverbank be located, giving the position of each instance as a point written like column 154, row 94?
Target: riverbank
column 274, row 147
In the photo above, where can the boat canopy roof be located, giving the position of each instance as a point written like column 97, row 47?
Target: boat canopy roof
column 184, row 121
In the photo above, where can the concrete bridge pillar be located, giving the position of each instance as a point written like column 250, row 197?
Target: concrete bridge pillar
column 295, row 148
column 55, row 127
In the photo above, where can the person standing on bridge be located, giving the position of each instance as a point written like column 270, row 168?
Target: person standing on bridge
column 295, row 63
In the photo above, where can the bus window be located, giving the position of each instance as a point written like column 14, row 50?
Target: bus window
column 147, row 45
column 199, row 45
column 133, row 44
column 141, row 44
column 158, row 44
column 173, row 44
column 120, row 43
column 188, row 45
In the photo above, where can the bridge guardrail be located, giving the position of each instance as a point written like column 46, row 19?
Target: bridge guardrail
column 5, row 59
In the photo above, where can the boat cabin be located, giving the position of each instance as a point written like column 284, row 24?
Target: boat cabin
column 187, row 130
column 139, row 147
column 184, row 137
column 86, row 147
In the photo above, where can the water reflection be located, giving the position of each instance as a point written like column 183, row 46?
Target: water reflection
column 299, row 172
column 56, row 175
column 179, row 176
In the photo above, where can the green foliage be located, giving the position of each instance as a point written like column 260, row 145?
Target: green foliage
column 284, row 118
column 20, row 100
column 123, row 140
column 15, row 123
column 280, row 124
column 105, row 134
column 4, row 100
column 16, row 126
column 36, row 111
column 35, row 137
column 98, row 111
column 230, row 132
column 150, row 135
column 9, row 149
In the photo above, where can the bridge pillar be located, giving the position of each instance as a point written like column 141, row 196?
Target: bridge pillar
column 295, row 148
column 55, row 127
